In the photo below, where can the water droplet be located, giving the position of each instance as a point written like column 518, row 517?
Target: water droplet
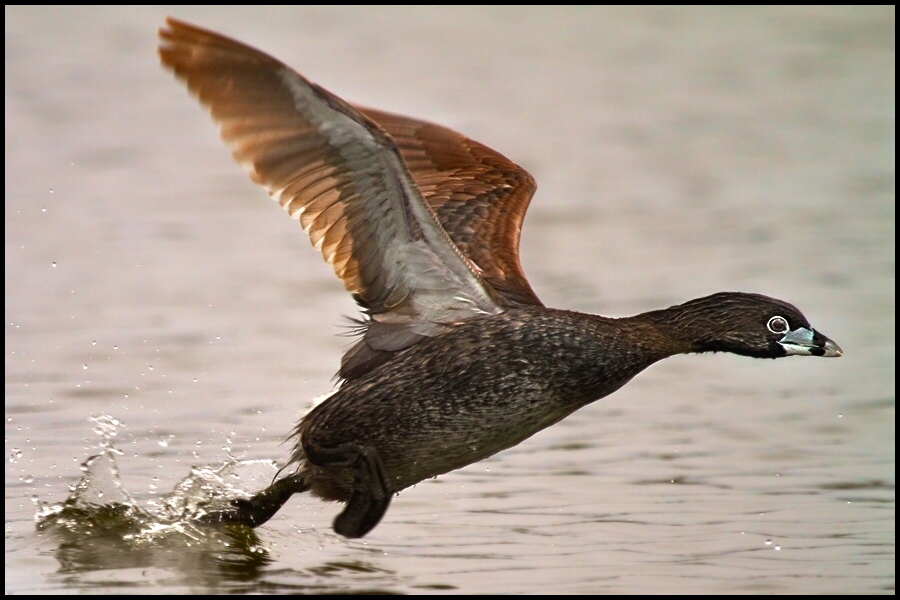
column 768, row 542
column 14, row 455
column 53, row 264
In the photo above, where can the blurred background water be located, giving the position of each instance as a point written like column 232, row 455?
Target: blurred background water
column 678, row 152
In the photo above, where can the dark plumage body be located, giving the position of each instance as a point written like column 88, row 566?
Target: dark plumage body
column 486, row 384
column 457, row 359
column 482, row 386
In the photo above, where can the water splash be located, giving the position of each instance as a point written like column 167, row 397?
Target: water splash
column 99, row 503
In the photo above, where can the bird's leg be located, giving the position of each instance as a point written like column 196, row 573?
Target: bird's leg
column 371, row 486
column 262, row 506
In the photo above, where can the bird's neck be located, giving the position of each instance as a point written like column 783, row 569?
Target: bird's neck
column 699, row 325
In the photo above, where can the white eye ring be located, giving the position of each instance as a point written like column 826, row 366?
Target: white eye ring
column 778, row 325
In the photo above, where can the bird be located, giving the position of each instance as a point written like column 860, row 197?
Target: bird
column 456, row 358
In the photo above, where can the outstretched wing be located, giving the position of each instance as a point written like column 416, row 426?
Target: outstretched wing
column 479, row 196
column 338, row 173
column 420, row 223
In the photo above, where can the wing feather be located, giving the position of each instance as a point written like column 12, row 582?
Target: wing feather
column 394, row 217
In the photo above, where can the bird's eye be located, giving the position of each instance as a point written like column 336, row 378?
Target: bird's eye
column 778, row 325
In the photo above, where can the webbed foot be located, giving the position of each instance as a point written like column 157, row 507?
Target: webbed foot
column 260, row 507
column 371, row 487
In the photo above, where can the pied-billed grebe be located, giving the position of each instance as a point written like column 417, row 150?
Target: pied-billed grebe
column 458, row 359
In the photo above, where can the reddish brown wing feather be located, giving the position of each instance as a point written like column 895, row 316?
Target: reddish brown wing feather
column 339, row 174
column 479, row 196
column 344, row 178
column 268, row 135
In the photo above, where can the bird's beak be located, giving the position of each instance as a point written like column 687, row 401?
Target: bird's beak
column 809, row 342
